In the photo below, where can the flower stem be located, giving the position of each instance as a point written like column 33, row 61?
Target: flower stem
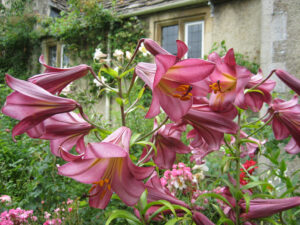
column 255, row 120
column 262, row 127
column 134, row 54
column 237, row 178
column 121, row 105
column 153, row 131
column 267, row 78
column 145, row 157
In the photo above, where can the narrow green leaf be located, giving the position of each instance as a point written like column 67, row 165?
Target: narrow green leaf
column 214, row 195
column 270, row 221
column 224, row 220
column 253, row 90
column 174, row 221
column 122, row 214
column 133, row 138
column 247, row 200
column 256, row 183
column 141, row 93
column 143, row 200
column 126, row 72
column 108, row 70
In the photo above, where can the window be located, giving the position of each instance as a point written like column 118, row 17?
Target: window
column 52, row 55
column 169, row 37
column 194, row 39
column 64, row 59
column 55, row 53
column 188, row 29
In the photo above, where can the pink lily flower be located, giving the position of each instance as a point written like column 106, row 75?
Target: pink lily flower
column 64, row 131
column 289, row 80
column 228, row 82
column 108, row 167
column 155, row 49
column 173, row 81
column 32, row 104
column 255, row 100
column 286, row 120
column 55, row 79
column 209, row 126
column 260, row 208
column 292, row 147
column 168, row 143
column 201, row 219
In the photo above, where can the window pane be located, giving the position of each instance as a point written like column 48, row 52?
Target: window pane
column 52, row 56
column 64, row 61
column 169, row 37
column 194, row 39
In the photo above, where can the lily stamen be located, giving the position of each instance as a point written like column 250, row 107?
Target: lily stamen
column 185, row 92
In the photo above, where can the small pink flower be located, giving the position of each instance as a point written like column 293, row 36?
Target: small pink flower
column 47, row 215
column 43, row 202
column 70, row 201
column 5, row 198
column 70, row 209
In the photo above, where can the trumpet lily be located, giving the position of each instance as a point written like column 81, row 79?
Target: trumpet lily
column 64, row 131
column 55, row 79
column 173, row 81
column 108, row 167
column 32, row 104
column 286, row 119
column 228, row 82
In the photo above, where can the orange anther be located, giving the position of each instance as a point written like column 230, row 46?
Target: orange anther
column 177, row 96
column 181, row 89
column 108, row 186
column 185, row 98
column 101, row 182
column 106, row 180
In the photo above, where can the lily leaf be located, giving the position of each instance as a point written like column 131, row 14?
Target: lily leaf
column 122, row 214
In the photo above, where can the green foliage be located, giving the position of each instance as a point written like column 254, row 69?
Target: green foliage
column 88, row 25
column 18, row 38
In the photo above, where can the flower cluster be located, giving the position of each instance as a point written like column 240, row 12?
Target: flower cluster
column 17, row 217
column 179, row 179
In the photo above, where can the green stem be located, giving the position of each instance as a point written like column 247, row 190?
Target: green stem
column 256, row 120
column 153, row 131
column 134, row 54
column 267, row 78
column 100, row 81
column 121, row 106
column 237, row 178
column 87, row 119
column 262, row 127
column 146, row 156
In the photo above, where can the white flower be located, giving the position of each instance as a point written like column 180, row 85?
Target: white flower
column 202, row 167
column 98, row 54
column 118, row 54
column 128, row 55
column 144, row 50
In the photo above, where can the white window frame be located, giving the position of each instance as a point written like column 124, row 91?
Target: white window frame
column 186, row 25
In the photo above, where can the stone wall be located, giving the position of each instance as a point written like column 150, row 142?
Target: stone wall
column 238, row 23
column 280, row 34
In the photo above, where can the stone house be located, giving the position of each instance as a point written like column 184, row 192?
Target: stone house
column 267, row 31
